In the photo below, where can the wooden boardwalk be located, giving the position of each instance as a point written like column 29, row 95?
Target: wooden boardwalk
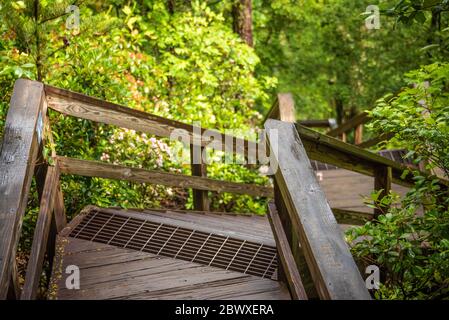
column 163, row 254
column 111, row 272
column 346, row 190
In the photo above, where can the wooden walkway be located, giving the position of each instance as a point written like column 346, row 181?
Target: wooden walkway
column 346, row 190
column 108, row 271
column 160, row 254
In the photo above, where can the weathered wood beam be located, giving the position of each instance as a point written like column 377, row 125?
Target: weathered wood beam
column 350, row 124
column 285, row 255
column 85, row 107
column 372, row 142
column 382, row 181
column 41, row 235
column 283, row 109
column 329, row 150
column 111, row 171
column 326, row 123
column 59, row 209
column 21, row 140
column 333, row 269
column 199, row 169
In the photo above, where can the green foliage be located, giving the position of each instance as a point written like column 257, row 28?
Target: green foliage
column 411, row 248
column 410, row 241
column 419, row 115
column 323, row 53
column 187, row 66
column 434, row 14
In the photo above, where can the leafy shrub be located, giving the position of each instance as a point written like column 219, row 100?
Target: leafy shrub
column 410, row 242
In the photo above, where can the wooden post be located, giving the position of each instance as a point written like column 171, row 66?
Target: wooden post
column 358, row 134
column 199, row 169
column 14, row 287
column 41, row 235
column 328, row 258
column 286, row 106
column 286, row 112
column 21, row 140
column 382, row 181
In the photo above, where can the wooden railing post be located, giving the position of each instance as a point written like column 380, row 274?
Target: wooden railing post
column 199, row 169
column 21, row 140
column 358, row 134
column 284, row 110
column 41, row 234
column 382, row 181
column 328, row 258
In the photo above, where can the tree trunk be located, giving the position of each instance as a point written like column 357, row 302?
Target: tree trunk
column 38, row 40
column 243, row 21
column 171, row 6
column 339, row 110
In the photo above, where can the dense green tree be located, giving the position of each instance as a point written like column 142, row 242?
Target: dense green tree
column 323, row 53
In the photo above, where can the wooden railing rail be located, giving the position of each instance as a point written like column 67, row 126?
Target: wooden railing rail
column 111, row 171
column 89, row 108
column 326, row 123
column 85, row 107
column 353, row 123
column 356, row 124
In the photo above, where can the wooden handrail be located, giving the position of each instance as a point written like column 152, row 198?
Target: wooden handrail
column 326, row 149
column 350, row 124
column 111, row 171
column 326, row 123
column 329, row 261
column 89, row 108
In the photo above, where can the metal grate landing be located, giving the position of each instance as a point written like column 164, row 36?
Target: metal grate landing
column 180, row 243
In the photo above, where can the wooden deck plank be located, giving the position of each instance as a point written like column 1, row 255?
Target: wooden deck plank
column 346, row 189
column 107, row 274
column 234, row 289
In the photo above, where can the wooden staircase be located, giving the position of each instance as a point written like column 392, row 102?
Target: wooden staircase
column 312, row 259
